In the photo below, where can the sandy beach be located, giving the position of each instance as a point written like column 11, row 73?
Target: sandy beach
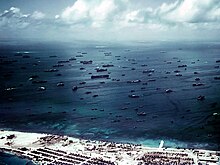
column 56, row 149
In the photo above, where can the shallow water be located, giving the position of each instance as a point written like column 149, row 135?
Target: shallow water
column 177, row 117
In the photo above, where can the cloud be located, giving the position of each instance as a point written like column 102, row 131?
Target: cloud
column 12, row 12
column 38, row 15
column 76, row 13
column 118, row 14
column 111, row 11
column 15, row 19
column 93, row 13
column 180, row 18
column 115, row 18
column 191, row 11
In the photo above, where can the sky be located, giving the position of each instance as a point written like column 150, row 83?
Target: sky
column 110, row 20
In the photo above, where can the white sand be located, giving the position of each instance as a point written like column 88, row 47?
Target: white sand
column 114, row 152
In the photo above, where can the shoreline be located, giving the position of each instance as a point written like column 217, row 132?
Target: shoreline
column 151, row 142
column 55, row 149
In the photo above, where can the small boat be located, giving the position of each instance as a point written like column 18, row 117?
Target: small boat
column 197, row 84
column 74, row 88
column 133, row 96
column 79, row 55
column 182, row 66
column 10, row 89
column 107, row 65
column 151, row 80
column 58, row 74
column 86, row 62
column 41, row 88
column 200, row 97
column 72, row 59
column 100, row 70
column 217, row 78
column 124, row 108
column 115, row 121
column 58, row 65
column 82, row 83
column 99, row 76
column 168, row 90
column 148, row 71
column 51, row 70
column 179, row 75
column 134, row 81
column 107, row 53
column 60, row 84
column 33, row 76
column 141, row 114
column 53, row 56
column 63, row 61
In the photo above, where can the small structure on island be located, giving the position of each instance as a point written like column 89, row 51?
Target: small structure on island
column 161, row 144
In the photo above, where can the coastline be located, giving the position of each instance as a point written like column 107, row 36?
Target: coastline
column 55, row 149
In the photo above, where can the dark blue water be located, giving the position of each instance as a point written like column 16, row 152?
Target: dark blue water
column 9, row 159
column 177, row 117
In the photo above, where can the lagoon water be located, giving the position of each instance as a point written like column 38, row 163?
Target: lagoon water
column 100, row 109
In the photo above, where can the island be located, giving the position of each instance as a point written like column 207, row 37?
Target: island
column 58, row 149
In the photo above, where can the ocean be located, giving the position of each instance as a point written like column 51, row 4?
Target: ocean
column 9, row 159
column 151, row 93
